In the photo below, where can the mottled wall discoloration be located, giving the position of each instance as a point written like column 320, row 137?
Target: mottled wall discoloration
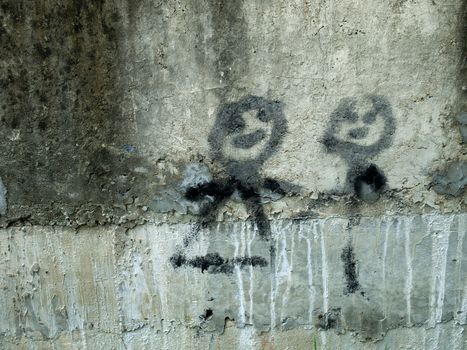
column 64, row 122
column 104, row 103
column 252, row 168
column 411, row 273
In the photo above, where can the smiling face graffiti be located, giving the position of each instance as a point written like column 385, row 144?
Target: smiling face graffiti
column 360, row 129
column 246, row 133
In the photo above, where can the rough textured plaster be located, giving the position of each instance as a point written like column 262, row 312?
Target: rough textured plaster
column 410, row 271
column 106, row 110
column 105, row 103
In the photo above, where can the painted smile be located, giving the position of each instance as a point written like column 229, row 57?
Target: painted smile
column 249, row 140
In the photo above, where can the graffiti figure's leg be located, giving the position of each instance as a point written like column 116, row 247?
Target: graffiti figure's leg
column 255, row 208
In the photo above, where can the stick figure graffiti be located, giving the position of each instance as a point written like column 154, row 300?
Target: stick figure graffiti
column 246, row 133
column 360, row 137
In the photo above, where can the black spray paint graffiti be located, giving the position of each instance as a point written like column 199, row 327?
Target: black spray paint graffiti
column 353, row 137
column 350, row 269
column 246, row 133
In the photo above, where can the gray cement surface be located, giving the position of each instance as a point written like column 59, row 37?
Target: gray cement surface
column 233, row 174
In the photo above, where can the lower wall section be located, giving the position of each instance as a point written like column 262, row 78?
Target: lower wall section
column 365, row 283
column 445, row 336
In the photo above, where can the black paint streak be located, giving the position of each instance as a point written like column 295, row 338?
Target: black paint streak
column 364, row 178
column 249, row 140
column 242, row 175
column 231, row 121
column 207, row 315
column 350, row 269
column 214, row 263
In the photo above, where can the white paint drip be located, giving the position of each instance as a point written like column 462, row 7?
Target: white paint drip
column 251, row 238
column 246, row 339
column 398, row 228
column 324, row 267
column 273, row 280
column 440, row 243
column 461, row 317
column 287, row 267
column 409, row 279
column 311, row 288
column 325, row 278
column 385, row 253
column 283, row 259
column 238, row 272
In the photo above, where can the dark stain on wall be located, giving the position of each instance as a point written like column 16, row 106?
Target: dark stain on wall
column 230, row 41
column 357, row 146
column 62, row 122
column 350, row 269
column 451, row 180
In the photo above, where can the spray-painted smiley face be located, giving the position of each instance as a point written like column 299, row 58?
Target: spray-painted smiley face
column 360, row 128
column 247, row 131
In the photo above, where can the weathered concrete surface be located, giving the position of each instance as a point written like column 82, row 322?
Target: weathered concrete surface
column 409, row 272
column 103, row 103
column 291, row 174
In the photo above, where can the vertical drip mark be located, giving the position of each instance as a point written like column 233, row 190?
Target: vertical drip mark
column 324, row 269
column 385, row 253
column 238, row 272
column 409, row 279
column 461, row 316
column 311, row 288
column 318, row 226
column 251, row 237
column 246, row 339
column 273, row 248
column 83, row 338
column 440, row 245
column 287, row 266
column 398, row 229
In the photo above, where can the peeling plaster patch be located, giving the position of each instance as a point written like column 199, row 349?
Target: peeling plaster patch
column 453, row 180
column 3, row 202
column 172, row 198
column 195, row 175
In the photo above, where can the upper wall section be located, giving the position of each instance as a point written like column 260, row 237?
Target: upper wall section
column 105, row 104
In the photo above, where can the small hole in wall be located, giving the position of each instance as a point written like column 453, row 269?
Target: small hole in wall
column 207, row 314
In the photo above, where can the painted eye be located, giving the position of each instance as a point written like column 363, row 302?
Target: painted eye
column 262, row 116
column 235, row 124
column 370, row 117
column 249, row 140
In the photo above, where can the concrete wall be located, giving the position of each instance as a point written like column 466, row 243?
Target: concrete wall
column 233, row 175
